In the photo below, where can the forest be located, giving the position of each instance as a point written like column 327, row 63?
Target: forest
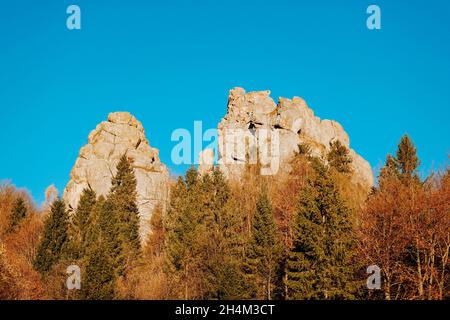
column 310, row 233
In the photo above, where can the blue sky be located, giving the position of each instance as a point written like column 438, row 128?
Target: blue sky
column 173, row 62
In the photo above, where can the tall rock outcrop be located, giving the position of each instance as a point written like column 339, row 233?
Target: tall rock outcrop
column 284, row 125
column 97, row 161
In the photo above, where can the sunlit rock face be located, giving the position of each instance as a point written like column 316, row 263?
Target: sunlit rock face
column 97, row 161
column 289, row 123
column 206, row 161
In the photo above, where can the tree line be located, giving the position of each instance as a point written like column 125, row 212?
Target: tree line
column 307, row 234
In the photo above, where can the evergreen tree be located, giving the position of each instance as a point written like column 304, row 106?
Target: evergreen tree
column 101, row 253
column 98, row 279
column 223, row 259
column 80, row 224
column 388, row 171
column 407, row 159
column 18, row 213
column 390, row 168
column 54, row 241
column 320, row 264
column 338, row 157
column 404, row 165
column 264, row 250
column 186, row 235
column 122, row 206
column 204, row 237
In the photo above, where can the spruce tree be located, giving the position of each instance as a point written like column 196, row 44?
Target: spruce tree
column 79, row 225
column 264, row 250
column 186, row 235
column 54, row 240
column 390, row 167
column 204, row 238
column 98, row 278
column 388, row 171
column 18, row 213
column 338, row 157
column 223, row 258
column 101, row 253
column 122, row 206
column 404, row 165
column 407, row 159
column 319, row 265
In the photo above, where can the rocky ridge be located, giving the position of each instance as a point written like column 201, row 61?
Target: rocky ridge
column 293, row 122
column 97, row 161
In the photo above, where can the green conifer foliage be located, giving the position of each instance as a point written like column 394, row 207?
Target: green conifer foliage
column 320, row 262
column 101, row 253
column 18, row 213
column 264, row 250
column 54, row 240
column 404, row 165
column 204, row 238
column 80, row 224
column 223, row 250
column 338, row 157
column 186, row 235
column 122, row 210
column 407, row 158
column 98, row 280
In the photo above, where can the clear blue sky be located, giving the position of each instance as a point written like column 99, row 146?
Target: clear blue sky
column 172, row 62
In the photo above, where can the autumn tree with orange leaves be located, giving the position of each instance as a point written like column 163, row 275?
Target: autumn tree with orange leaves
column 404, row 229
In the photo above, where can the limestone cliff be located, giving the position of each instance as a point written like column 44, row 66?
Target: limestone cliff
column 97, row 161
column 291, row 120
column 289, row 123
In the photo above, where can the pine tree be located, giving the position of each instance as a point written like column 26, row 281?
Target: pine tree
column 387, row 172
column 54, row 241
column 390, row 168
column 338, row 157
column 122, row 205
column 407, row 159
column 264, row 250
column 18, row 213
column 101, row 253
column 79, row 225
column 98, row 279
column 223, row 259
column 204, row 238
column 403, row 166
column 186, row 235
column 320, row 264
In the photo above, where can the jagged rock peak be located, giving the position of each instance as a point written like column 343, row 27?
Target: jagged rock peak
column 292, row 120
column 97, row 161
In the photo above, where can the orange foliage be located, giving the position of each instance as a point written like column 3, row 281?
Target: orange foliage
column 19, row 246
column 405, row 231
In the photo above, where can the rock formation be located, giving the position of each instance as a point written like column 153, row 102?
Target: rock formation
column 206, row 161
column 97, row 161
column 255, row 128
column 286, row 125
